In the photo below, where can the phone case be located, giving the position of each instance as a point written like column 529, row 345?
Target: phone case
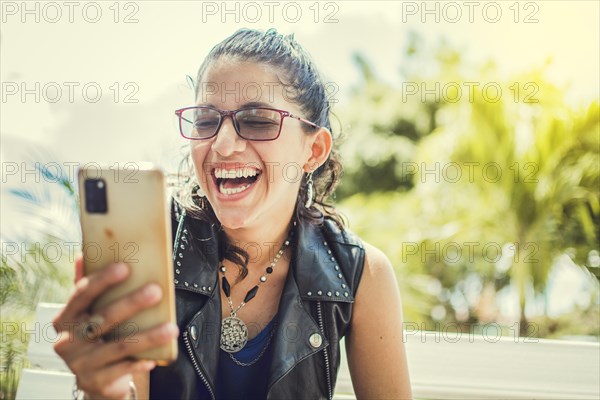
column 135, row 228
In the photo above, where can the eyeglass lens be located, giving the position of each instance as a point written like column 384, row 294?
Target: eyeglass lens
column 251, row 124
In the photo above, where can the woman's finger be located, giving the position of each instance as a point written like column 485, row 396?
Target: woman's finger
column 110, row 352
column 87, row 290
column 126, row 307
column 106, row 319
column 78, row 268
column 71, row 341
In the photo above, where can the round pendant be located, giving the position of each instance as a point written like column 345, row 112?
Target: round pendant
column 234, row 334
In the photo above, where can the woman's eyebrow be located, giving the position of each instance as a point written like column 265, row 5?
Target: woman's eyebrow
column 252, row 104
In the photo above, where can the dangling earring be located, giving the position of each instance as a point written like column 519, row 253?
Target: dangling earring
column 199, row 196
column 309, row 191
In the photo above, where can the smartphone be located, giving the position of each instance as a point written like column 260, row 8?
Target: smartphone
column 125, row 218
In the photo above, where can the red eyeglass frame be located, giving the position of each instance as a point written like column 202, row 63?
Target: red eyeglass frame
column 225, row 113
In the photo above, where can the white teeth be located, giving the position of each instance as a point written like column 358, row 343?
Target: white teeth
column 249, row 172
column 235, row 173
column 232, row 190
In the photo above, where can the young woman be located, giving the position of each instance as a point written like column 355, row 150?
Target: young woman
column 267, row 278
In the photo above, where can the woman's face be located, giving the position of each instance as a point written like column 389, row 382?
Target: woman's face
column 278, row 164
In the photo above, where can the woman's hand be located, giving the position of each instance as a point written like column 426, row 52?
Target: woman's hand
column 104, row 369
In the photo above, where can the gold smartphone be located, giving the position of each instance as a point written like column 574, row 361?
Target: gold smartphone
column 125, row 218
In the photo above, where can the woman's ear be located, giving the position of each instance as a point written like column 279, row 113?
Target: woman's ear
column 320, row 147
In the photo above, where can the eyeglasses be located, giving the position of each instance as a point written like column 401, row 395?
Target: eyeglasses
column 257, row 123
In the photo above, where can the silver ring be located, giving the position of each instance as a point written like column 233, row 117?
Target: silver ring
column 92, row 329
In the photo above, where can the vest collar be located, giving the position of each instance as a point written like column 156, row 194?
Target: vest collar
column 317, row 273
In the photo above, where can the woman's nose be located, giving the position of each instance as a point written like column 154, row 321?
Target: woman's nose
column 227, row 141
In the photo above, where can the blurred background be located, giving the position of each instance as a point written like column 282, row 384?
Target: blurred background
column 469, row 133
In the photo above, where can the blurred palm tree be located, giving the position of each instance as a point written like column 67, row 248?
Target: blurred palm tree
column 547, row 201
column 37, row 256
column 528, row 190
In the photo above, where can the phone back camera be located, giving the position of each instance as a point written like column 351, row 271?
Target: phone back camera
column 95, row 196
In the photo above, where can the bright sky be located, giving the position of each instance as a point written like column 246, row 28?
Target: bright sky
column 149, row 57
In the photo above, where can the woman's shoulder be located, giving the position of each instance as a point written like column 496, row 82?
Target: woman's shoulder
column 341, row 234
column 376, row 261
column 378, row 274
column 370, row 263
column 373, row 255
column 375, row 264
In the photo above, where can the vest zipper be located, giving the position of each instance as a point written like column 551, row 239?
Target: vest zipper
column 325, row 352
column 196, row 366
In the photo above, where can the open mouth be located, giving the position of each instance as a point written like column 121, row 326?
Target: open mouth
column 237, row 180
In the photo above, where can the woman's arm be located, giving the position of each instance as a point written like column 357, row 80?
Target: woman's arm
column 375, row 347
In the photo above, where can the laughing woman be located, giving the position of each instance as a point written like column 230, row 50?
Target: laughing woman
column 268, row 279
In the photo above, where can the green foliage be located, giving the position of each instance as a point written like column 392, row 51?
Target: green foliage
column 36, row 265
column 12, row 357
column 468, row 191
column 388, row 231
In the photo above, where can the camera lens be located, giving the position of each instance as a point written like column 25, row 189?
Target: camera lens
column 95, row 196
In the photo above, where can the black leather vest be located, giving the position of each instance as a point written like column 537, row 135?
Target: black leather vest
column 314, row 313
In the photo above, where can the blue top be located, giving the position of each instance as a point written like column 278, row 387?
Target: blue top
column 247, row 382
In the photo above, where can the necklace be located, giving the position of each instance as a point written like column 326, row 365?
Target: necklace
column 234, row 332
column 244, row 364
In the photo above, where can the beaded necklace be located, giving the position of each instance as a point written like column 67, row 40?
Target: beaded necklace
column 234, row 332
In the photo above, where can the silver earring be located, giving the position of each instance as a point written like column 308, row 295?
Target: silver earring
column 199, row 195
column 309, row 191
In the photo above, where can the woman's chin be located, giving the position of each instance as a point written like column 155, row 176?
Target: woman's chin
column 233, row 219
